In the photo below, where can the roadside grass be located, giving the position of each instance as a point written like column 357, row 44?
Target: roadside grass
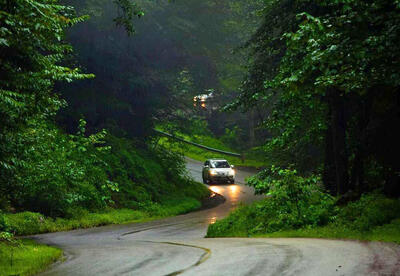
column 29, row 223
column 386, row 233
column 27, row 258
column 199, row 154
column 372, row 218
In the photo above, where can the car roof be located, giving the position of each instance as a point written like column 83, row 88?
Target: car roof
column 218, row 160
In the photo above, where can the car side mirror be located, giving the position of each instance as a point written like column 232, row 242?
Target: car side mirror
column 232, row 166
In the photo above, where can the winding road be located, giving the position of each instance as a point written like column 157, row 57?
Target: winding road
column 176, row 246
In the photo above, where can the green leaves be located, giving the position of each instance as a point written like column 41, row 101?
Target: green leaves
column 294, row 201
column 60, row 171
column 336, row 47
column 304, row 49
column 129, row 10
column 11, row 99
column 42, row 168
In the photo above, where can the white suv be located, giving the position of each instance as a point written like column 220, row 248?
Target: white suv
column 217, row 171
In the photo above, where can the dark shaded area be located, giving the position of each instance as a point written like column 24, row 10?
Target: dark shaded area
column 135, row 75
column 329, row 93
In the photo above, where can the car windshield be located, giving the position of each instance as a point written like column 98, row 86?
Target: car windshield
column 220, row 164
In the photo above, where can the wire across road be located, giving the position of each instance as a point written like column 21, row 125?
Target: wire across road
column 198, row 145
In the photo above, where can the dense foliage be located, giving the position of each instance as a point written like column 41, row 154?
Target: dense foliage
column 60, row 171
column 325, row 77
column 327, row 74
column 322, row 81
column 152, row 77
column 48, row 170
column 373, row 217
column 32, row 46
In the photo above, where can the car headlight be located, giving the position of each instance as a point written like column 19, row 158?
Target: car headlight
column 232, row 172
column 212, row 172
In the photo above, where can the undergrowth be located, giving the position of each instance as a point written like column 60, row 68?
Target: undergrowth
column 29, row 223
column 372, row 218
column 26, row 257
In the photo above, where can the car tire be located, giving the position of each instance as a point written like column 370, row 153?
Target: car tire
column 204, row 181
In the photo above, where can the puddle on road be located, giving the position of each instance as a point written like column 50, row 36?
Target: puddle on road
column 230, row 192
column 212, row 220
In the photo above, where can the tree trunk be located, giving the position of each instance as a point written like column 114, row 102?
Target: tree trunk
column 338, row 124
column 329, row 173
column 357, row 172
column 252, row 135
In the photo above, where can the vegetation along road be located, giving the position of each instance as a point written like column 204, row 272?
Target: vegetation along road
column 177, row 245
column 101, row 101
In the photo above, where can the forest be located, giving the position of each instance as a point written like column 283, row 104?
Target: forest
column 324, row 76
column 83, row 86
column 80, row 134
column 307, row 91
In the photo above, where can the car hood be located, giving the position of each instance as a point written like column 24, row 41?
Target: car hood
column 224, row 170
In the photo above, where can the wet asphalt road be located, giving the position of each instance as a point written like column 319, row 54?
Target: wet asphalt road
column 175, row 246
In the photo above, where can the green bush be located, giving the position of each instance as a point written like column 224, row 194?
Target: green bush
column 294, row 202
column 26, row 222
column 370, row 211
column 389, row 232
column 146, row 175
column 372, row 217
column 4, row 227
column 64, row 175
column 299, row 201
column 239, row 223
column 60, row 171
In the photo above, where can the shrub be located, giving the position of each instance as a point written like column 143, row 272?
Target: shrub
column 149, row 174
column 4, row 226
column 294, row 202
column 297, row 201
column 370, row 211
column 60, row 171
column 26, row 223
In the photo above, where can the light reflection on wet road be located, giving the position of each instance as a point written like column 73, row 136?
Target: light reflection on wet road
column 176, row 246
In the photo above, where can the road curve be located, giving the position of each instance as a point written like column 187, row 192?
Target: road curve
column 175, row 246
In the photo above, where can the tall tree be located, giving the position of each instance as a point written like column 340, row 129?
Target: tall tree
column 135, row 84
column 327, row 69
column 32, row 47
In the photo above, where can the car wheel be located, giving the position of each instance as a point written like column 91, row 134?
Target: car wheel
column 204, row 181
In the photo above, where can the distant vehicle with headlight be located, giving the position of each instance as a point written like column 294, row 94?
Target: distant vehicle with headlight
column 203, row 97
column 218, row 171
column 203, row 100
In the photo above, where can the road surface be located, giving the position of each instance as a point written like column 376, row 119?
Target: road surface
column 175, row 246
